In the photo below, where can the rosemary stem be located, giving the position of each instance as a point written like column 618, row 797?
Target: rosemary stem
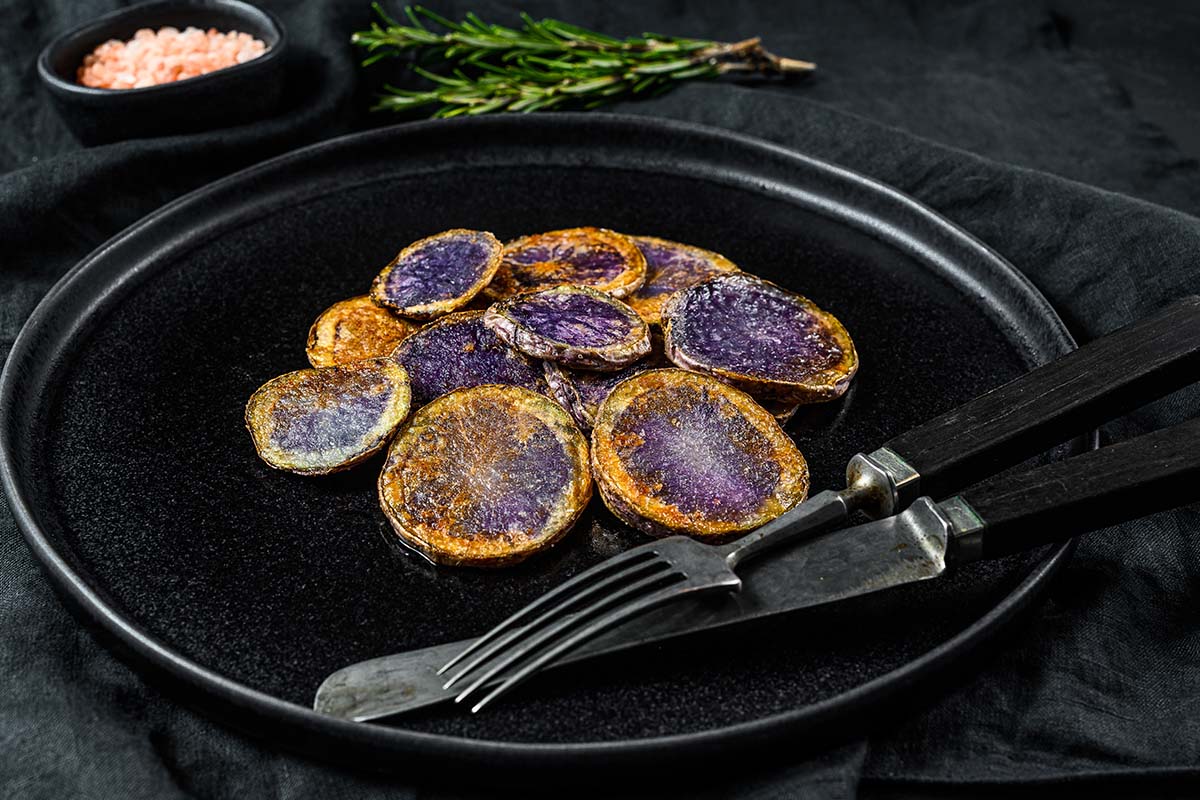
column 546, row 63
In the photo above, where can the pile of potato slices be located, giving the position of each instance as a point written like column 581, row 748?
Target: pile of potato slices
column 506, row 380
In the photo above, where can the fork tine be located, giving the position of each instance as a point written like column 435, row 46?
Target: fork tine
column 525, row 648
column 602, row 568
column 636, row 569
column 599, row 626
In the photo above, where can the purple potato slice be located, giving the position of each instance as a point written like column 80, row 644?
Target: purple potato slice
column 595, row 257
column 486, row 477
column 572, row 325
column 317, row 421
column 355, row 329
column 582, row 391
column 679, row 452
column 761, row 338
column 670, row 268
column 438, row 274
column 458, row 351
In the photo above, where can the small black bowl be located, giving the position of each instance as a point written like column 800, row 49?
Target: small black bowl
column 229, row 96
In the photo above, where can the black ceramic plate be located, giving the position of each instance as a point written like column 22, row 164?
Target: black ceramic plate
column 131, row 475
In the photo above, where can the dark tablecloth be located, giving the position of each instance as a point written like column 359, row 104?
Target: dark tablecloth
column 993, row 113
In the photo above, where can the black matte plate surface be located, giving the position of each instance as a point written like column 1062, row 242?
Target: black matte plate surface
column 130, row 472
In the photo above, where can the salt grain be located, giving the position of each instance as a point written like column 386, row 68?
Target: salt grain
column 151, row 58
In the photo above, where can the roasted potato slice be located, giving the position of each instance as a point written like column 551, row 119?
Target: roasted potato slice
column 595, row 257
column 458, row 351
column 679, row 452
column 486, row 476
column 355, row 329
column 438, row 274
column 575, row 326
column 317, row 421
column 761, row 338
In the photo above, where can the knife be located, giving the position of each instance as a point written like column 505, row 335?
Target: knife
column 1002, row 516
column 1101, row 380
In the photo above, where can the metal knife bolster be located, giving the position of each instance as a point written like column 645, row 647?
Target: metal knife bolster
column 965, row 528
column 954, row 528
column 882, row 482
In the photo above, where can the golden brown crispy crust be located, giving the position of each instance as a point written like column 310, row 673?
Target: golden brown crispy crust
column 650, row 306
column 431, row 310
column 287, row 399
column 493, row 456
column 514, row 278
column 637, row 501
column 355, row 329
column 819, row 387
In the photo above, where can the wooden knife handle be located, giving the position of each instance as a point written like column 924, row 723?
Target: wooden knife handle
column 1124, row 481
column 1101, row 380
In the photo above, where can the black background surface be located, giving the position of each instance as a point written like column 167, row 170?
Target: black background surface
column 1058, row 133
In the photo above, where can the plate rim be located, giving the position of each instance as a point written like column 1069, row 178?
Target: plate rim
column 387, row 741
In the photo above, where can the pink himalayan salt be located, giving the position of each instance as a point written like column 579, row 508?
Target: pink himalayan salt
column 151, row 57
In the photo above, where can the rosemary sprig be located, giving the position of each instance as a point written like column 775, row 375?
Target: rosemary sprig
column 546, row 63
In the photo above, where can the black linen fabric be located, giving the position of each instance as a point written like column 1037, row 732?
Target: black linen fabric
column 983, row 110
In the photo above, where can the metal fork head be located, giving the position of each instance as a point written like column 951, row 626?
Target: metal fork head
column 607, row 567
column 584, row 607
column 631, row 579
